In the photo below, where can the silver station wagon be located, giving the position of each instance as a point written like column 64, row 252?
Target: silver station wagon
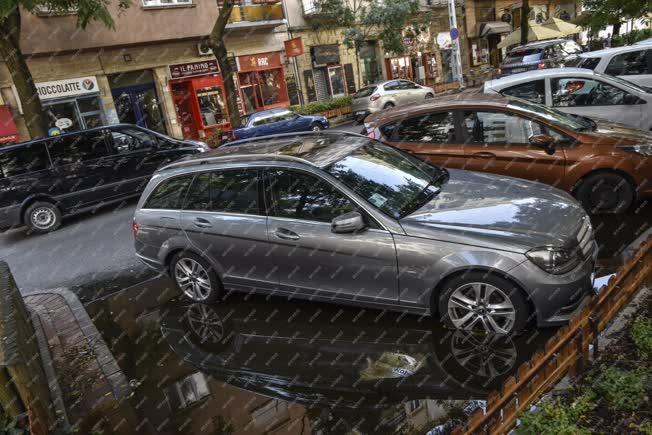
column 340, row 218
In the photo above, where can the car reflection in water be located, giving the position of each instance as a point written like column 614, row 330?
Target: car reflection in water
column 359, row 364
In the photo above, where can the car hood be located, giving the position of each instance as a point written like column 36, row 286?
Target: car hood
column 620, row 133
column 498, row 212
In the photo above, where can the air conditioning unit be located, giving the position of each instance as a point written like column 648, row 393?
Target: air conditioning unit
column 204, row 49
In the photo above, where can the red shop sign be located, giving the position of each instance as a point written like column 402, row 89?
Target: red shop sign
column 260, row 61
column 183, row 70
column 294, row 47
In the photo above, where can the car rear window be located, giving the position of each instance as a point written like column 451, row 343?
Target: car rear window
column 23, row 160
column 365, row 92
column 523, row 55
column 588, row 62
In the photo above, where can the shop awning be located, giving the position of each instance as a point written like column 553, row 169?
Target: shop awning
column 8, row 130
column 493, row 28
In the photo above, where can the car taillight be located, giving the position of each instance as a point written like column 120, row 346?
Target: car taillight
column 135, row 230
column 374, row 97
column 500, row 71
column 541, row 66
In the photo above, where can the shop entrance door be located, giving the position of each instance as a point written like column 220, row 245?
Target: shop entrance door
column 139, row 105
column 181, row 95
column 252, row 98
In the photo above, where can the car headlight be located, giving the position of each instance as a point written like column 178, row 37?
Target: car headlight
column 555, row 260
column 642, row 149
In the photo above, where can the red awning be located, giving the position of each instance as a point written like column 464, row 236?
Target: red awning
column 8, row 130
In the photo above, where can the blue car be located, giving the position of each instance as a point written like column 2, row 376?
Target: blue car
column 277, row 121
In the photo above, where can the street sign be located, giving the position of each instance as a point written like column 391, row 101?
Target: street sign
column 454, row 33
column 63, row 123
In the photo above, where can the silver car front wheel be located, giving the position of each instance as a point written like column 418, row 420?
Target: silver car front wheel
column 478, row 305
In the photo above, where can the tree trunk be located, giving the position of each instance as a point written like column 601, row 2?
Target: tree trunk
column 20, row 74
column 525, row 12
column 217, row 44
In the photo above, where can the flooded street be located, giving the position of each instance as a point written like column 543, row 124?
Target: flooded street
column 257, row 364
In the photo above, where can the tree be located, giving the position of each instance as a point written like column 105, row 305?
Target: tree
column 525, row 14
column 218, row 45
column 599, row 14
column 363, row 20
column 10, row 26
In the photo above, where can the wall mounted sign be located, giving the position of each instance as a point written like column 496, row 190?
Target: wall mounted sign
column 67, row 88
column 183, row 70
column 63, row 123
column 323, row 55
column 294, row 47
column 257, row 62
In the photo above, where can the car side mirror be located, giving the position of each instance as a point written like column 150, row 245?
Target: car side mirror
column 348, row 223
column 544, row 141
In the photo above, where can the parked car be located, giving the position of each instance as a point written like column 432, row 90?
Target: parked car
column 604, row 165
column 539, row 55
column 277, row 121
column 581, row 92
column 45, row 179
column 632, row 62
column 385, row 95
column 339, row 218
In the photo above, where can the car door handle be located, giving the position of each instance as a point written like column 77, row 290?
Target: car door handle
column 286, row 234
column 202, row 223
column 484, row 155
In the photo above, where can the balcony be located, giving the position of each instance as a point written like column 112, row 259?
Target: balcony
column 248, row 16
column 311, row 8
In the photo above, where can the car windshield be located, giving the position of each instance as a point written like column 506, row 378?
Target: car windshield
column 553, row 115
column 389, row 179
column 521, row 55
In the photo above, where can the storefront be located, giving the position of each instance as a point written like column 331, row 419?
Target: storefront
column 262, row 82
column 8, row 130
column 71, row 104
column 199, row 100
column 399, row 68
column 328, row 77
column 136, row 100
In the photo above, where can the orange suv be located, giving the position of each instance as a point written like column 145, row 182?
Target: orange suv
column 605, row 166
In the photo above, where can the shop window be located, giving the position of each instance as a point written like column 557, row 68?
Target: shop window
column 534, row 91
column 77, row 148
column 150, row 3
column 480, row 51
column 24, row 160
column 63, row 110
column 271, row 82
column 211, row 105
column 129, row 140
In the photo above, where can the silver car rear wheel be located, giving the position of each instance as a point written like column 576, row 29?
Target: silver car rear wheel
column 193, row 279
column 478, row 305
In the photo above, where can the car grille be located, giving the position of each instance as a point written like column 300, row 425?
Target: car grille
column 585, row 238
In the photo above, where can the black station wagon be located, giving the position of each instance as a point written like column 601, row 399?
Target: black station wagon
column 47, row 178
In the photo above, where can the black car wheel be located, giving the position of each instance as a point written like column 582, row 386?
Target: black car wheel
column 605, row 192
column 316, row 127
column 483, row 302
column 195, row 277
column 429, row 95
column 388, row 105
column 42, row 217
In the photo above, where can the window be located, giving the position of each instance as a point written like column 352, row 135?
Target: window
column 232, row 191
column 500, row 128
column 633, row 63
column 149, row 3
column 298, row 195
column 588, row 62
column 169, row 194
column 404, row 84
column 533, row 91
column 77, row 148
column 128, row 140
column 392, row 86
column 430, row 128
column 577, row 92
column 211, row 105
column 24, row 160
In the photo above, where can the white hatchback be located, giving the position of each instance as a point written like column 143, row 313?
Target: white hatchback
column 580, row 92
column 632, row 63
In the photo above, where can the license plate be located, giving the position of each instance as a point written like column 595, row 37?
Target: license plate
column 519, row 70
column 360, row 113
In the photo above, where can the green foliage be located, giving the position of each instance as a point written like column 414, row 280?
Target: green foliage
column 86, row 10
column 555, row 418
column 642, row 335
column 367, row 19
column 623, row 390
column 598, row 14
column 322, row 106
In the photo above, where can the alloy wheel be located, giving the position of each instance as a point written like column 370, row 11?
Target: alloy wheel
column 43, row 218
column 489, row 355
column 206, row 324
column 192, row 279
column 478, row 305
